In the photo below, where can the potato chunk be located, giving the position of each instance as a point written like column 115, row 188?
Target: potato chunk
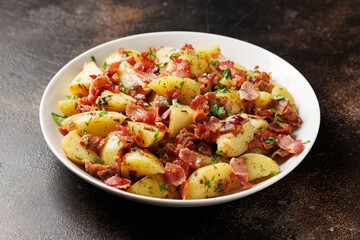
column 118, row 57
column 233, row 96
column 111, row 149
column 206, row 52
column 129, row 77
column 79, row 86
column 181, row 116
column 233, row 146
column 145, row 134
column 68, row 107
column 163, row 54
column 154, row 186
column 260, row 166
column 198, row 63
column 259, row 125
column 138, row 163
column 282, row 91
column 74, row 150
column 263, row 100
column 115, row 101
column 211, row 181
column 189, row 88
column 94, row 122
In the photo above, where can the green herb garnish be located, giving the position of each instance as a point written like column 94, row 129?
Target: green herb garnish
column 276, row 113
column 70, row 97
column 155, row 136
column 102, row 113
column 58, row 119
column 273, row 173
column 165, row 101
column 306, row 142
column 226, row 74
column 104, row 65
column 213, row 160
column 214, row 62
column 182, row 84
column 279, row 97
column 148, row 106
column 175, row 52
column 271, row 141
column 219, row 152
column 87, row 123
column 93, row 59
column 162, row 187
column 96, row 160
column 151, row 52
column 217, row 111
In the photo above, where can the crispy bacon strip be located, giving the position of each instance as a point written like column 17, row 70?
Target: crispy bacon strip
column 118, row 182
column 240, row 170
column 174, row 174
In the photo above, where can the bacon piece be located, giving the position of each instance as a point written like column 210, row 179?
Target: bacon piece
column 84, row 108
column 287, row 143
column 178, row 67
column 173, row 93
column 280, row 106
column 63, row 130
column 249, row 105
column 225, row 65
column 207, row 82
column 238, row 120
column 200, row 103
column 144, row 65
column 118, row 182
column 255, row 143
column 184, row 189
column 292, row 118
column 95, row 88
column 263, row 86
column 140, row 114
column 92, row 168
column 204, row 148
column 189, row 156
column 109, row 172
column 240, row 170
column 248, row 91
column 137, row 92
column 124, row 134
column 91, row 141
column 127, row 147
column 279, row 127
column 213, row 124
column 184, row 164
column 200, row 117
column 266, row 138
column 238, row 79
column 187, row 46
column 263, row 112
column 174, row 174
column 262, row 77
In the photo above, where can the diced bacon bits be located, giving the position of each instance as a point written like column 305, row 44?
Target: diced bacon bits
column 227, row 96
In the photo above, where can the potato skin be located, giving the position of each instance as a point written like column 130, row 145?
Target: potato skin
column 74, row 150
column 148, row 134
column 233, row 146
column 154, row 186
column 260, row 165
column 181, row 116
column 211, row 181
column 79, row 86
column 93, row 122
column 189, row 88
column 138, row 163
column 115, row 101
column 111, row 148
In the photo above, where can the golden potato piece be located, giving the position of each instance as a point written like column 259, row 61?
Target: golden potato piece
column 98, row 123
column 280, row 90
column 138, row 163
column 74, row 150
column 189, row 88
column 148, row 134
column 236, row 105
column 115, row 101
column 260, row 166
column 111, row 148
column 68, row 107
column 198, row 64
column 181, row 116
column 263, row 100
column 129, row 77
column 79, row 86
column 154, row 186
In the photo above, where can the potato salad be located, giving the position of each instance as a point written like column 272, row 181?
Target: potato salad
column 174, row 123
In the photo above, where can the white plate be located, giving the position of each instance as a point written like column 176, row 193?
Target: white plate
column 238, row 51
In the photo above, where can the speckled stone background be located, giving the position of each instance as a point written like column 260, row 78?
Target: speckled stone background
column 41, row 199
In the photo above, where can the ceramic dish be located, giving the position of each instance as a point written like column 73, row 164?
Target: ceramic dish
column 235, row 50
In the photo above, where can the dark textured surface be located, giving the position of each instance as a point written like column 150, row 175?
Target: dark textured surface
column 40, row 198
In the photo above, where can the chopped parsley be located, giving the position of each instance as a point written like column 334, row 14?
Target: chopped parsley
column 162, row 187
column 279, row 97
column 96, row 160
column 201, row 181
column 222, row 90
column 166, row 156
column 217, row 111
column 214, row 62
column 148, row 106
column 133, row 149
column 213, row 160
column 273, row 173
column 208, row 183
column 175, row 52
column 308, row 141
column 58, row 119
column 104, row 65
column 191, row 62
column 125, row 89
column 165, row 101
column 87, row 123
column 175, row 102
column 156, row 135
column 226, row 74
column 271, row 141
column 276, row 113
column 84, row 132
column 161, row 66
column 151, row 53
column 219, row 152
column 182, row 84
column 70, row 97
column 103, row 113
column 93, row 59
column 233, row 87
column 78, row 79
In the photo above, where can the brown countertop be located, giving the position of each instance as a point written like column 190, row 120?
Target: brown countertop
column 41, row 199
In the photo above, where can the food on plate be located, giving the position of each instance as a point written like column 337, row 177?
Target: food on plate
column 174, row 123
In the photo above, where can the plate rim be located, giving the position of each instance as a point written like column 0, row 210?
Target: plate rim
column 172, row 202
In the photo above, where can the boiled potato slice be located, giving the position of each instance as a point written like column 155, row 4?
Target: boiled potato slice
column 148, row 134
column 111, row 149
column 154, row 186
column 138, row 163
column 198, row 64
column 233, row 146
column 68, row 106
column 211, row 181
column 207, row 160
column 163, row 54
column 260, row 166
column 189, row 88
column 263, row 100
column 236, row 103
column 259, row 125
column 281, row 90
column 79, row 86
column 207, row 51
column 118, row 57
column 181, row 116
column 74, row 150
column 129, row 77
column 94, row 122
column 115, row 101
